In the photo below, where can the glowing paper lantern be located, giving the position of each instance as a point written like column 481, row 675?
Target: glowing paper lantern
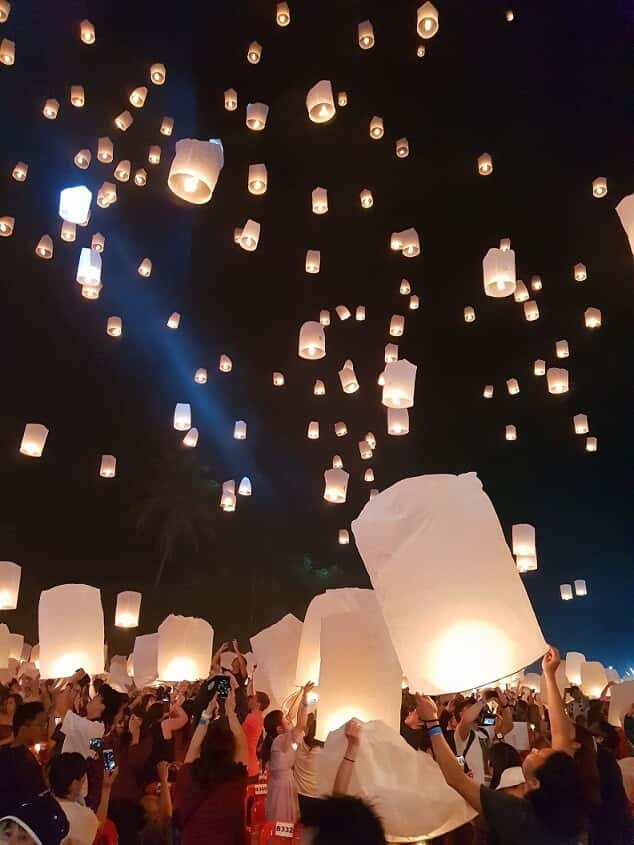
column 343, row 538
column 195, row 169
column 184, row 648
column 158, row 73
column 580, row 422
column 225, row 365
column 282, row 14
column 105, row 150
column 167, row 126
column 144, row 660
column 68, row 231
column 44, row 248
column 469, row 314
column 420, row 51
column 348, row 378
column 82, row 159
column 7, row 51
column 510, row 432
column 154, row 154
column 254, row 53
column 402, row 148
column 488, row 391
column 397, row 421
column 580, row 272
column 405, row 288
column 400, row 384
column 427, row 20
column 200, row 376
column 539, row 368
column 106, row 195
column 182, row 416
column 20, row 171
column 91, row 291
column 319, row 388
column 313, row 430
column 71, row 631
column 505, row 244
column 593, row 678
column 10, row 574
column 512, row 385
column 122, row 171
column 599, row 187
column 319, row 199
column 485, row 164
column 574, row 661
column 625, row 210
column 77, row 96
column 365, row 450
column 371, row 440
column 312, row 341
column 359, row 314
column 365, row 35
column 16, row 646
column 191, row 438
column 89, row 267
column 335, row 485
column 342, row 99
column 410, row 243
column 592, row 318
column 557, row 379
column 397, row 325
column 565, row 590
column 581, row 588
column 526, row 563
column 561, row 349
column 367, row 200
column 320, row 102
column 140, row 178
column 51, row 108
column 128, row 609
column 376, row 128
column 410, row 532
column 124, row 121
column 174, row 320
column 138, row 96
column 337, row 463
column 228, row 499
column 391, row 352
column 231, row 99
column 536, row 283
column 341, row 429
column 342, row 312
column 87, row 32
column 521, row 292
column 244, row 488
column 114, row 326
column 145, row 268
column 592, row 444
column 108, row 467
column 256, row 116
column 509, row 15
column 531, row 311
column 240, row 430
column 7, row 224
column 74, row 204
column 5, row 10
column 250, row 236
column 33, row 440
column 324, row 317
column 313, row 260
column 498, row 268
column 257, row 179
column 275, row 652
column 523, row 539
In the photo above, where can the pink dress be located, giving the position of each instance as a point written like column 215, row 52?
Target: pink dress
column 281, row 798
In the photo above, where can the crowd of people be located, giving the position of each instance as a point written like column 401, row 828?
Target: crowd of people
column 82, row 762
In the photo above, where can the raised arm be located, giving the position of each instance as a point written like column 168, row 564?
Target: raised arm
column 352, row 731
column 302, row 713
column 109, row 778
column 177, row 719
column 468, row 717
column 240, row 754
column 165, row 796
column 241, row 659
column 560, row 727
column 193, row 751
column 504, row 716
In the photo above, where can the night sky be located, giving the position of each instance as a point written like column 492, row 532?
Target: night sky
column 546, row 95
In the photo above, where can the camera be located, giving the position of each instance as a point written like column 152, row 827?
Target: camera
column 96, row 744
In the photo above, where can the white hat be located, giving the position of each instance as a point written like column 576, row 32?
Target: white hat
column 513, row 776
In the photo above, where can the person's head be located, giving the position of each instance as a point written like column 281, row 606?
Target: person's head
column 113, row 701
column 555, row 791
column 259, row 702
column 155, row 713
column 95, row 708
column 342, row 820
column 40, row 821
column 236, row 666
column 502, row 756
column 310, row 739
column 68, row 776
column 275, row 724
column 217, row 752
column 30, row 723
column 520, row 711
column 512, row 782
column 460, row 706
column 9, row 704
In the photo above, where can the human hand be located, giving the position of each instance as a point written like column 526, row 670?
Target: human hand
column 308, row 688
column 162, row 769
column 550, row 662
column 426, row 708
column 352, row 731
column 210, row 709
column 109, row 777
column 134, row 724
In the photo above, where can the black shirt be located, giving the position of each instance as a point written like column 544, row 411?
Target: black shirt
column 514, row 821
column 20, row 777
column 416, row 737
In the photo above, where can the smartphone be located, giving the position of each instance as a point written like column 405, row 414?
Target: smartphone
column 488, row 721
column 108, row 760
column 96, row 744
column 222, row 686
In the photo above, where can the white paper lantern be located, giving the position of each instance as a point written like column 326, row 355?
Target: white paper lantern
column 105, row 150
column 5, row 10
column 342, row 98
column 488, row 391
column 138, row 96
column 365, row 450
column 44, row 248
column 561, row 349
column 87, row 32
column 140, row 178
column 51, row 108
column 574, row 661
column 526, row 563
column 275, row 652
column 319, row 388
column 195, row 169
column 512, row 386
column 254, row 53
column 397, row 421
column 191, row 438
column 510, row 432
column 231, row 99
column 257, row 114
column 173, row 320
column 228, row 499
column 581, row 588
column 427, row 20
column 200, row 376
column 405, row 288
column 7, row 224
column 400, row 384
column 324, row 317
column 106, row 195
column 16, row 645
column 621, row 698
column 145, row 660
column 158, row 73
column 593, row 678
column 154, row 154
column 367, row 200
column 337, row 463
column 313, row 260
column 539, row 367
column 397, row 325
column 124, row 121
column 359, row 314
column 523, row 539
column 557, row 379
column 313, row 430
column 10, row 574
column 4, row 647
column 424, row 525
column 521, row 292
column 312, row 341
column 565, row 591
column 20, row 171
column 250, row 236
column 74, row 204
column 498, row 268
column 122, row 171
column 128, row 609
column 365, row 35
column 348, row 378
column 225, row 365
column 368, row 475
column 184, row 648
column 91, row 291
column 182, row 416
column 336, row 485
column 257, row 180
column 68, row 231
column 536, row 283
column 592, row 318
column 580, row 272
column 167, row 126
column 531, row 311
column 343, row 538
column 342, row 312
column 108, row 466
column 82, row 159
column 71, row 631
column 485, row 164
column 319, row 200
column 592, row 444
column 245, row 488
column 391, row 353
column 33, row 440
column 240, row 430
column 410, row 243
column 625, row 210
column 341, row 429
column 320, row 102
column 580, row 422
column 282, row 14
column 377, row 129
column 402, row 148
column 599, row 187
column 114, row 326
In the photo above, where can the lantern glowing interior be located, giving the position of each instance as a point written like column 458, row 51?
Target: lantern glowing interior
column 561, row 349
column 195, row 169
column 184, row 648
column 108, row 467
column 335, row 485
column 400, row 384
column 391, row 352
column 182, row 416
column 593, row 678
column 68, row 231
column 33, row 440
column 365, row 450
column 320, row 102
column 71, row 631
column 128, row 609
column 565, row 591
column 397, row 421
column 124, row 121
column 10, row 574
column 319, row 200
column 158, row 73
column 20, row 171
column 498, row 267
column 228, row 496
column 244, row 488
column 312, row 341
column 581, row 588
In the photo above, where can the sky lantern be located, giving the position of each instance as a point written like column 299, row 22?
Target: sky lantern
column 592, row 444
column 108, row 466
column 410, row 243
column 144, row 660
column 185, row 646
column 488, row 391
column 51, row 108
column 574, row 661
column 91, row 291
column 510, row 432
column 342, row 99
column 250, row 236
column 275, row 652
column 312, row 341
column 107, row 195
column 521, row 292
column 228, row 496
column 485, row 164
column 5, row 10
column 341, row 429
column 182, row 416
column 312, row 432
column 531, row 311
column 580, row 272
column 391, row 352
column 89, row 267
column 536, row 283
column 10, row 574
column 105, row 150
column 526, row 563
column 77, row 96
column 509, row 15
column 44, row 248
column 114, row 326
column 200, row 376
column 513, row 387
column 7, row 52
column 140, row 177
column 282, row 14
column 82, row 159
column 167, row 126
column 593, row 678
column 278, row 379
column 405, row 288
column 68, row 231
column 173, row 321
column 414, row 302
column 254, row 53
column 402, row 148
column 367, row 200
column 337, row 463
column 400, row 384
column 469, row 314
column 599, row 187
column 365, row 450
column 257, row 179
column 122, row 171
column 87, row 32
column 231, row 99
column 324, row 317
column 592, row 318
column 427, row 20
column 420, row 51
column 368, row 475
column 127, row 610
column 195, row 169
column 397, row 421
column 245, row 488
column 365, row 35
column 320, row 102
column 64, row 648
column 557, row 379
column 505, row 244
column 565, row 590
column 98, row 242
column 319, row 388
column 138, row 96
column 257, row 114
column 240, row 430
column 498, row 268
column 580, row 588
column 523, row 539
column 313, row 260
column 225, row 365
column 348, row 378
column 625, row 210
column 191, row 438
column 539, row 367
column 376, row 128
column 145, row 268
column 158, row 73
column 336, row 485
column 444, row 523
column 154, row 154
column 397, row 325
column 561, row 349
column 342, row 312
column 124, row 121
column 343, row 537
column 319, row 199
column 74, row 204
column 359, row 314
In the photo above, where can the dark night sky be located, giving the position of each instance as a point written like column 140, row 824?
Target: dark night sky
column 546, row 95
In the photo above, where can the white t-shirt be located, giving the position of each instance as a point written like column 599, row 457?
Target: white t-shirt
column 78, row 732
column 474, row 758
column 83, row 823
column 305, row 770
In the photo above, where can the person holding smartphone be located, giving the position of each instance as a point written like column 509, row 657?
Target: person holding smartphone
column 68, row 775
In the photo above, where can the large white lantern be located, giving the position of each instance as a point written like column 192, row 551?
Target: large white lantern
column 312, row 341
column 320, row 102
column 128, row 609
column 625, row 210
column 348, row 378
column 257, row 114
column 400, row 384
column 574, row 661
column 195, row 169
column 498, row 267
column 446, row 523
column 185, row 646
column 427, row 20
column 275, row 653
column 557, row 379
column 335, row 485
column 145, row 660
column 250, row 236
column 71, row 631
column 74, row 205
column 257, row 179
column 33, row 440
column 9, row 584
column 593, row 678
column 397, row 421
column 182, row 416
column 621, row 698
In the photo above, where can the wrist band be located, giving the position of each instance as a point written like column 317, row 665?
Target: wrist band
column 435, row 731
column 349, row 759
column 203, row 722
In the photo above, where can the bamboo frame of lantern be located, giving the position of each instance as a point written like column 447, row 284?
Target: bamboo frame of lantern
column 108, row 466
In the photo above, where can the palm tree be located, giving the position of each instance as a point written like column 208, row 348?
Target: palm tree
column 178, row 504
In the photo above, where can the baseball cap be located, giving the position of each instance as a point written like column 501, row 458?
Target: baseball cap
column 513, row 776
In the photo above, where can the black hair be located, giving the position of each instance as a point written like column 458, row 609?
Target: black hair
column 520, row 711
column 311, row 728
column 344, row 820
column 153, row 716
column 64, row 769
column 459, row 706
column 263, row 700
column 502, row 756
column 25, row 714
column 216, row 763
column 559, row 801
column 113, row 701
column 611, row 819
column 272, row 721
